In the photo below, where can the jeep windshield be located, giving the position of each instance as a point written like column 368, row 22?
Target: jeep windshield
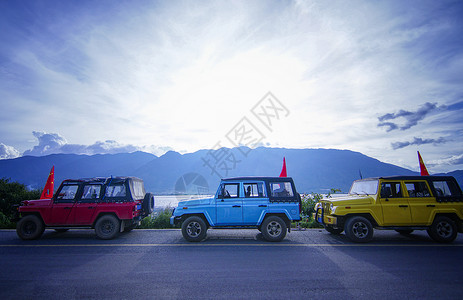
column 364, row 187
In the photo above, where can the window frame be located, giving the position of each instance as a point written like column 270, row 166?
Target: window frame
column 256, row 184
column 91, row 200
column 57, row 198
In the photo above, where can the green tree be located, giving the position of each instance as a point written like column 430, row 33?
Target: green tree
column 12, row 193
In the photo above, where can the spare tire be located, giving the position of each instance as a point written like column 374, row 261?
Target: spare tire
column 148, row 203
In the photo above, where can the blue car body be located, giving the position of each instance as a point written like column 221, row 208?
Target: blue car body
column 244, row 202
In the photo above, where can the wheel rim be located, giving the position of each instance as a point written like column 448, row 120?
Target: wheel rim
column 274, row 228
column 107, row 227
column 360, row 230
column 29, row 227
column 444, row 229
column 193, row 229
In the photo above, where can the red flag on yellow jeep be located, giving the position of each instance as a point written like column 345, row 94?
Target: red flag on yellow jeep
column 47, row 192
column 423, row 170
column 283, row 170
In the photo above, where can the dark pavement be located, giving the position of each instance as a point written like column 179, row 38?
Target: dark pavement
column 232, row 264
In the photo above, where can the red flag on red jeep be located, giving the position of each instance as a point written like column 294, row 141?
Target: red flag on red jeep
column 47, row 192
column 423, row 170
column 283, row 171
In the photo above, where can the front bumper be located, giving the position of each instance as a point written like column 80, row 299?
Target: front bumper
column 175, row 220
column 323, row 219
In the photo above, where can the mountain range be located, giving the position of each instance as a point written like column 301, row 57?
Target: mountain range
column 313, row 170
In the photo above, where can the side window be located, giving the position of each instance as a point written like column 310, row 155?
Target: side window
column 254, row 190
column 138, row 189
column 391, row 190
column 67, row 194
column 113, row 192
column 91, row 193
column 442, row 188
column 281, row 189
column 230, row 190
column 417, row 189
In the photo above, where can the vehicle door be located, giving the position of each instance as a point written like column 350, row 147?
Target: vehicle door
column 255, row 202
column 229, row 205
column 420, row 200
column 396, row 210
column 85, row 206
column 63, row 203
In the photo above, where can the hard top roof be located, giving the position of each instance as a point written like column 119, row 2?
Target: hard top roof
column 411, row 177
column 102, row 180
column 260, row 178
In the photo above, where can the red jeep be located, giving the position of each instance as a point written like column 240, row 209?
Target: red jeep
column 109, row 205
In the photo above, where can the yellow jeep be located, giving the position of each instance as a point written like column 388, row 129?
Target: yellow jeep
column 401, row 203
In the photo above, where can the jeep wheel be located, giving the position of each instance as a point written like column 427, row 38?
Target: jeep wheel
column 107, row 227
column 359, row 229
column 30, row 228
column 274, row 229
column 404, row 231
column 443, row 230
column 194, row 229
column 334, row 230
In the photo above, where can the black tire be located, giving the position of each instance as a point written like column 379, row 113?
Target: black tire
column 194, row 229
column 404, row 231
column 334, row 230
column 107, row 227
column 359, row 229
column 30, row 228
column 443, row 230
column 274, row 229
column 148, row 204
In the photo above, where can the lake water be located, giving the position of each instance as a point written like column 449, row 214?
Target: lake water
column 163, row 201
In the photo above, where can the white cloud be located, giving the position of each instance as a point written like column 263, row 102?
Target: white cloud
column 48, row 143
column 7, row 152
column 53, row 143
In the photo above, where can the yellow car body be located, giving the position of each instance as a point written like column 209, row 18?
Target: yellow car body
column 401, row 203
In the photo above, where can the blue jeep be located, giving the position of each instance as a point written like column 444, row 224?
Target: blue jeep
column 266, row 203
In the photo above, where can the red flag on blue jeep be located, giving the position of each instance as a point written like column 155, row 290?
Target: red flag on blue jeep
column 283, row 171
column 47, row 192
column 423, row 170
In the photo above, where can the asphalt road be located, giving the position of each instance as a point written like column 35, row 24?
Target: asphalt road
column 236, row 264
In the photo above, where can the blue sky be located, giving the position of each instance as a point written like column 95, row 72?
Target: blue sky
column 380, row 77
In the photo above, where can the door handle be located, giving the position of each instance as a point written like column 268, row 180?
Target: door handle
column 431, row 205
column 262, row 205
column 67, row 207
column 91, row 207
column 236, row 206
column 403, row 205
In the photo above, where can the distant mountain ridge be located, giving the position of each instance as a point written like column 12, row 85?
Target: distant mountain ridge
column 313, row 170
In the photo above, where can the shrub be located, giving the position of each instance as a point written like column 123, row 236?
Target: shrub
column 159, row 220
column 5, row 222
column 307, row 209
